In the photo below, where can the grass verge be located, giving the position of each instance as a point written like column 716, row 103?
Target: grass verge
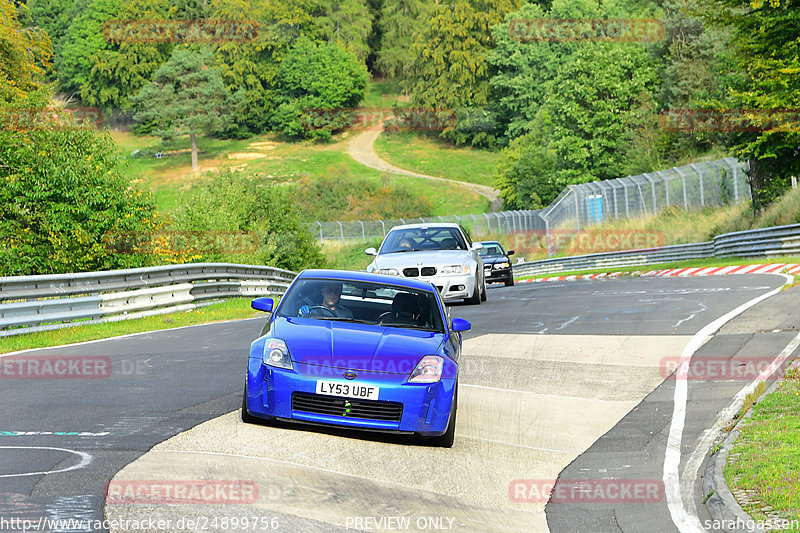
column 227, row 310
column 763, row 467
column 427, row 155
column 692, row 263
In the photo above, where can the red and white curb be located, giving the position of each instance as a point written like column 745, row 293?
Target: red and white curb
column 772, row 268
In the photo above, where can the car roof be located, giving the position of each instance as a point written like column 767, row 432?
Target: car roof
column 357, row 275
column 427, row 225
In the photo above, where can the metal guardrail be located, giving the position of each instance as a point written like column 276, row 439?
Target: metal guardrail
column 38, row 303
column 775, row 241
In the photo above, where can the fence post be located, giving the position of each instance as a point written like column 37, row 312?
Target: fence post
column 383, row 227
column 488, row 226
column 547, row 235
column 341, row 232
column 474, row 224
column 653, row 190
column 735, row 183
column 666, row 184
column 627, row 208
column 363, row 235
column 702, row 191
column 683, row 180
column 577, row 210
column 321, row 238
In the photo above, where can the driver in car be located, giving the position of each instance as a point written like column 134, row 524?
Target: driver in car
column 331, row 293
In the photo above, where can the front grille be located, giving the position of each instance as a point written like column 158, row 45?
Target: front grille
column 428, row 271
column 331, row 405
column 411, row 272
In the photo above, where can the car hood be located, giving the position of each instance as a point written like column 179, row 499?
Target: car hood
column 423, row 258
column 354, row 346
column 492, row 259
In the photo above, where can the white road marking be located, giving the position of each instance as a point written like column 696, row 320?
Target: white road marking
column 86, row 460
column 683, row 520
column 691, row 316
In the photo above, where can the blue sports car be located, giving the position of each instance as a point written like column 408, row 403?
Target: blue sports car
column 358, row 350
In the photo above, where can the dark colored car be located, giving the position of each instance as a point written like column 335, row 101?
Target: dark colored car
column 496, row 264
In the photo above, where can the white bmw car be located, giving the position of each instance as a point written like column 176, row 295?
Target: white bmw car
column 441, row 253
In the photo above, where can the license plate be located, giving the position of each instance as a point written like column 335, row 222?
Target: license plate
column 348, row 390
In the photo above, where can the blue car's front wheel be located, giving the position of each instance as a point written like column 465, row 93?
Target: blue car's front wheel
column 448, row 438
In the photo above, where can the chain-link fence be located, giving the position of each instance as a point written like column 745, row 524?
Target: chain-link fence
column 710, row 183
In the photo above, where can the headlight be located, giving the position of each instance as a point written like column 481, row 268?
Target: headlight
column 389, row 271
column 277, row 354
column 428, row 370
column 501, row 265
column 455, row 269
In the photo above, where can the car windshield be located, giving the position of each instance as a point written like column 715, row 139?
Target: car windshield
column 491, row 249
column 418, row 239
column 364, row 302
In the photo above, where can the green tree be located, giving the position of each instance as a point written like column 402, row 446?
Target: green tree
column 22, row 51
column 527, row 176
column 187, row 96
column 449, row 69
column 766, row 53
column 317, row 84
column 348, row 23
column 397, row 23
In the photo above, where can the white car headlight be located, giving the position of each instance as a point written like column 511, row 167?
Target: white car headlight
column 428, row 370
column 389, row 271
column 455, row 269
column 501, row 265
column 276, row 353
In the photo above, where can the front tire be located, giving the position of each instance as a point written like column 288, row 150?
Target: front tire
column 475, row 299
column 510, row 281
column 247, row 418
column 483, row 294
column 449, row 437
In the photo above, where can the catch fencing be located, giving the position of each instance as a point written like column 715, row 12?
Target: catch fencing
column 693, row 186
column 768, row 242
column 38, row 303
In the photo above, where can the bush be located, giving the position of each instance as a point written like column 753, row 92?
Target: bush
column 230, row 203
column 62, row 196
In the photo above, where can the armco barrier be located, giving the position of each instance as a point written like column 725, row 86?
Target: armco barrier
column 37, row 303
column 775, row 241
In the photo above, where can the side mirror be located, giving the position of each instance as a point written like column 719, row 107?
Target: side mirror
column 371, row 251
column 262, row 304
column 459, row 324
column 476, row 246
column 510, row 252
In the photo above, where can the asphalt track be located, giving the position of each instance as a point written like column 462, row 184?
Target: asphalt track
column 559, row 380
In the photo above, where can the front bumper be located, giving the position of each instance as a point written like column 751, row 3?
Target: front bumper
column 497, row 274
column 425, row 407
column 452, row 287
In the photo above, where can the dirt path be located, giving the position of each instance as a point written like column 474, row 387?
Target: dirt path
column 361, row 149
